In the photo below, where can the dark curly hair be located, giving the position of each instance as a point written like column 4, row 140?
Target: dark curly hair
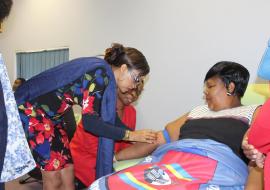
column 230, row 72
column 118, row 55
column 5, row 6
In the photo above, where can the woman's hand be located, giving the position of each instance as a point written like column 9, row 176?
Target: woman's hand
column 146, row 135
column 260, row 160
column 253, row 154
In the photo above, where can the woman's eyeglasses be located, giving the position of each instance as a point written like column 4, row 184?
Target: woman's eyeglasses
column 136, row 78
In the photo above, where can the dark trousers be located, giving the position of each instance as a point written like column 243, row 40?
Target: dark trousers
column 79, row 185
column 2, row 186
column 3, row 132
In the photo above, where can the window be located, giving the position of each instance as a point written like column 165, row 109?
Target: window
column 32, row 63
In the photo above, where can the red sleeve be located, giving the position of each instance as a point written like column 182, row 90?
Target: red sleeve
column 259, row 134
column 129, row 117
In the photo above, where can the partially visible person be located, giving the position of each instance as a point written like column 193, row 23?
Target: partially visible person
column 15, row 156
column 257, row 143
column 84, row 145
column 205, row 150
column 5, row 7
column 127, row 112
column 18, row 82
column 90, row 83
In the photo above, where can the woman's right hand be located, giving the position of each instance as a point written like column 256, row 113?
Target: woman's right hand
column 145, row 135
column 252, row 153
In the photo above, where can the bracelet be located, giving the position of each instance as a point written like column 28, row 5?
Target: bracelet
column 166, row 136
column 127, row 134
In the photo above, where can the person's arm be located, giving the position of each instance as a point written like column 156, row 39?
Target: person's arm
column 173, row 128
column 140, row 150
column 249, row 150
column 93, row 123
column 252, row 153
column 255, row 179
column 137, row 150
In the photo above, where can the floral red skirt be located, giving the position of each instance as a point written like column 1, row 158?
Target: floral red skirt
column 47, row 137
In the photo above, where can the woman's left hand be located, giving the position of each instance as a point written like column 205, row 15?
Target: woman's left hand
column 146, row 135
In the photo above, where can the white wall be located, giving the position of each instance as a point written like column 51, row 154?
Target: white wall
column 180, row 38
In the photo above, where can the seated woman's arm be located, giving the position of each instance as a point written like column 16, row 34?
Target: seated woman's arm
column 173, row 127
column 140, row 150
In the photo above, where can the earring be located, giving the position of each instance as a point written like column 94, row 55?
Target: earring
column 229, row 94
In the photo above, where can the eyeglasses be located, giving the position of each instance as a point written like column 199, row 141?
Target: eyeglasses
column 136, row 78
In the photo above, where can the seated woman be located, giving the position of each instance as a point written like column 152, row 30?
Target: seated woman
column 205, row 150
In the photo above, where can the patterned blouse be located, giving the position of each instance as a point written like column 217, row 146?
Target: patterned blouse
column 47, row 110
column 18, row 159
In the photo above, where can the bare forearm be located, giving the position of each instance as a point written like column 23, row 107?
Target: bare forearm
column 137, row 150
column 255, row 179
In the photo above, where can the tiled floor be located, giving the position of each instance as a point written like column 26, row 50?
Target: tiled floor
column 15, row 185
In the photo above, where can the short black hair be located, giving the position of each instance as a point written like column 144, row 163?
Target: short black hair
column 229, row 72
column 5, row 6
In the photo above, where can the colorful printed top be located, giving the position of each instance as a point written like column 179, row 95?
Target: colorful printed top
column 87, row 91
column 66, row 74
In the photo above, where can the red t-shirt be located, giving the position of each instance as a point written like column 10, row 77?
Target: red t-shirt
column 259, row 136
column 83, row 147
column 129, row 119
